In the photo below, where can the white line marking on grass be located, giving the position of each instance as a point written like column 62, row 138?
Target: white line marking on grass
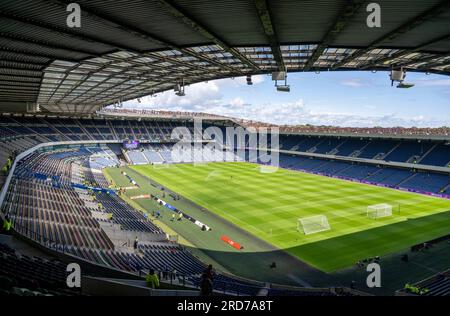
column 213, row 173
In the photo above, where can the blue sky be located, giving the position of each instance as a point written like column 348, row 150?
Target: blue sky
column 362, row 99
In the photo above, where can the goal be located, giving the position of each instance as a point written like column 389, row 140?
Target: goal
column 379, row 210
column 313, row 224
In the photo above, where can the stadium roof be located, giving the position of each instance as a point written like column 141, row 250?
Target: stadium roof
column 131, row 48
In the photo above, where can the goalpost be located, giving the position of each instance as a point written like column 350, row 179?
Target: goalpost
column 379, row 210
column 313, row 224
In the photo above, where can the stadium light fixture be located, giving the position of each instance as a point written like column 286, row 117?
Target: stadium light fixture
column 280, row 76
column 284, row 88
column 249, row 80
column 403, row 85
column 399, row 75
column 179, row 89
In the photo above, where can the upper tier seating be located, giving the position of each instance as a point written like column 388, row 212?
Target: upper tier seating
column 376, row 148
column 20, row 133
column 350, row 146
column 407, row 150
column 390, row 176
column 439, row 156
column 137, row 157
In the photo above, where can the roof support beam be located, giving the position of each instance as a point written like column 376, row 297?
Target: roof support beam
column 72, row 34
column 137, row 32
column 20, row 77
column 7, row 62
column 20, row 71
column 66, row 32
column 342, row 21
column 429, row 60
column 437, row 64
column 403, row 53
column 178, row 13
column 32, row 54
column 141, row 74
column 406, row 27
column 48, row 45
column 19, row 83
column 266, row 21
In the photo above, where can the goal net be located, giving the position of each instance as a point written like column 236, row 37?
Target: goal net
column 379, row 210
column 313, row 224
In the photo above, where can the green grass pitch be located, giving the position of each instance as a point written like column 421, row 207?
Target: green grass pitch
column 268, row 205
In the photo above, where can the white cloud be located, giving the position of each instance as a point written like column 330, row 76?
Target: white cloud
column 237, row 102
column 354, row 83
column 197, row 97
column 433, row 83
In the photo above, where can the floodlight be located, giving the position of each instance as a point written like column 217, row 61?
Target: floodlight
column 180, row 93
column 249, row 80
column 404, row 85
column 179, row 89
column 284, row 88
column 398, row 75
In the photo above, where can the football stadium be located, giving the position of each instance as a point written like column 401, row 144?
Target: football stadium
column 102, row 198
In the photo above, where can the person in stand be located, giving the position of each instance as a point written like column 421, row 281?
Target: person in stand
column 206, row 286
column 7, row 224
column 273, row 265
column 135, row 243
column 166, row 273
column 152, row 279
column 209, row 271
column 180, row 216
column 174, row 274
